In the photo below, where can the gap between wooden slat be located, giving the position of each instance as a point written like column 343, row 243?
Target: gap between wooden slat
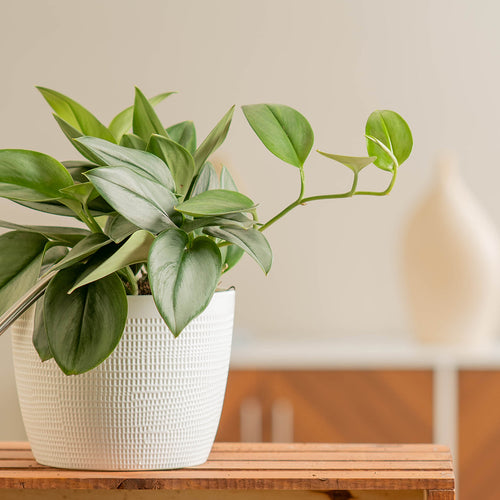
column 325, row 455
column 372, row 447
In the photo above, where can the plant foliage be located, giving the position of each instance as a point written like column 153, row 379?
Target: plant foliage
column 153, row 207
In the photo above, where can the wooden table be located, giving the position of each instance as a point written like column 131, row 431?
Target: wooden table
column 249, row 471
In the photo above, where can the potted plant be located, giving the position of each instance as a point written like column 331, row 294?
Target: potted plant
column 123, row 363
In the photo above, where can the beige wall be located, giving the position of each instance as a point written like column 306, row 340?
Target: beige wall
column 335, row 270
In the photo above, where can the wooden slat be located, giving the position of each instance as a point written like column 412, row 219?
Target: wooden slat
column 272, row 467
column 326, row 455
column 14, row 445
column 219, row 465
column 16, row 454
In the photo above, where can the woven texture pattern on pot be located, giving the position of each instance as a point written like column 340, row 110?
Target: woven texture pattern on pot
column 155, row 403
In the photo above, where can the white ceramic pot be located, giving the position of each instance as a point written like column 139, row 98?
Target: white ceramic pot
column 155, row 403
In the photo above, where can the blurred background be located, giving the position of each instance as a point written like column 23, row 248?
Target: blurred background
column 336, row 273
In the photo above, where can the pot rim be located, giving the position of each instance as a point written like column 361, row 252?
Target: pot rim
column 140, row 306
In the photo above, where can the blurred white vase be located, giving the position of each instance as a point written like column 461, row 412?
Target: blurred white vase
column 451, row 264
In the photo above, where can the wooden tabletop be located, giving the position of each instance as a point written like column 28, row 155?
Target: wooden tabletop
column 264, row 466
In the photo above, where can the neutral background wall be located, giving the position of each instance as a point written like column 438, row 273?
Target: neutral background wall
column 336, row 263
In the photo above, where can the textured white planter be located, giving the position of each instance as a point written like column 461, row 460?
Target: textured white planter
column 155, row 403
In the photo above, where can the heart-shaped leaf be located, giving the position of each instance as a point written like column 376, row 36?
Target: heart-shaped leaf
column 21, row 259
column 355, row 163
column 283, row 130
column 75, row 114
column 133, row 251
column 83, row 328
column 145, row 203
column 145, row 121
column 122, row 122
column 139, row 161
column 184, row 133
column 31, row 176
column 393, row 132
column 67, row 235
column 213, row 140
column 183, row 280
column 206, row 180
column 253, row 242
column 216, row 202
column 178, row 159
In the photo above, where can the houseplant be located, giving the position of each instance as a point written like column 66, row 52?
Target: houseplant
column 158, row 218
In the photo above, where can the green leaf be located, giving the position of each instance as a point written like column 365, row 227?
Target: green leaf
column 67, row 235
column 182, row 280
column 82, row 192
column 178, row 159
column 133, row 251
column 54, row 208
column 133, row 141
column 237, row 220
column 72, row 133
column 78, row 168
column 233, row 256
column 145, row 121
column 205, row 181
column 118, row 228
column 213, row 140
column 83, row 328
column 355, row 163
column 83, row 249
column 22, row 254
column 31, row 176
column 57, row 208
column 283, row 130
column 143, row 202
column 394, row 133
column 142, row 162
column 216, row 202
column 122, row 122
column 251, row 241
column 40, row 339
column 226, row 181
column 75, row 114
column 184, row 133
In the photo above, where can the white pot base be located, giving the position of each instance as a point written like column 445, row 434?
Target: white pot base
column 155, row 403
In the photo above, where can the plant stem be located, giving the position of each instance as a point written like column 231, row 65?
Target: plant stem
column 352, row 192
column 380, row 193
column 127, row 274
column 287, row 209
column 88, row 219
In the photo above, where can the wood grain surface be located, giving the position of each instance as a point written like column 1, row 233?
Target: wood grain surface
column 479, row 434
column 341, row 406
column 260, row 466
